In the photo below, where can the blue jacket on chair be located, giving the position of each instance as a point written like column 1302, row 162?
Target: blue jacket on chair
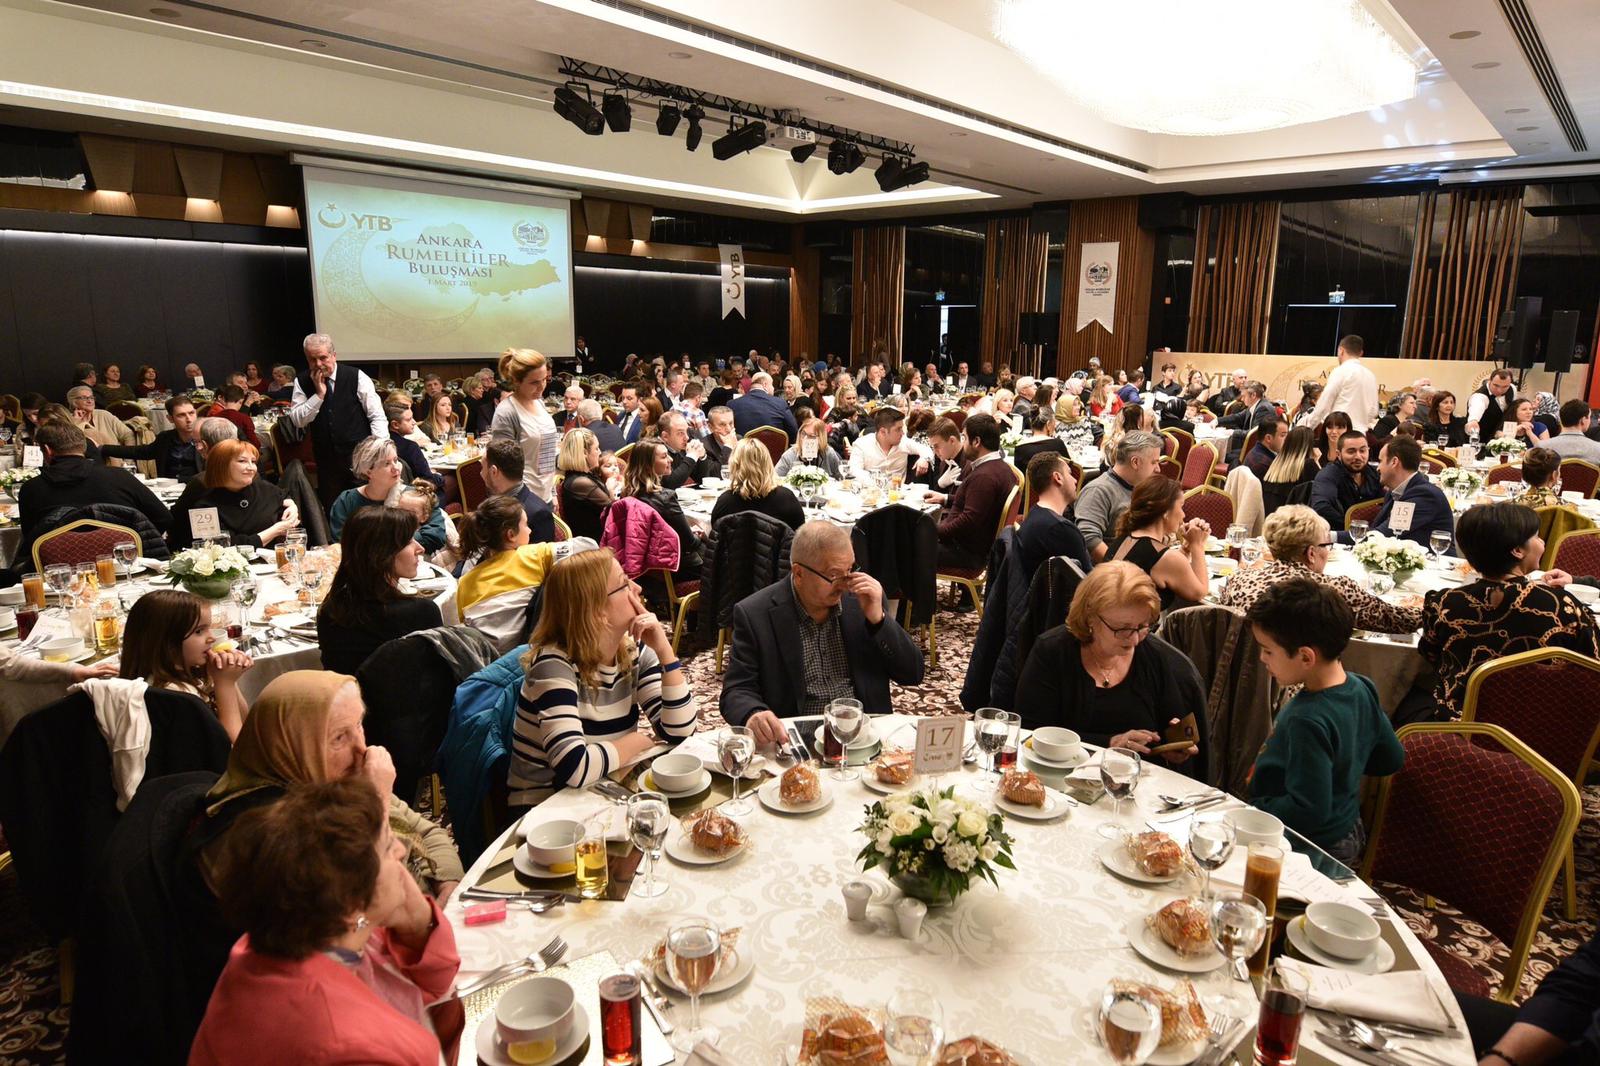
column 477, row 745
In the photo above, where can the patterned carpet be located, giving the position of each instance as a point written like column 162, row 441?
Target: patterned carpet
column 33, row 1021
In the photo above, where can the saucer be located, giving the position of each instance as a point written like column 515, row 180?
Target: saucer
column 493, row 1053
column 1380, row 961
column 1056, row 764
column 1055, row 806
column 1148, row 943
column 528, row 868
column 647, row 782
column 771, row 797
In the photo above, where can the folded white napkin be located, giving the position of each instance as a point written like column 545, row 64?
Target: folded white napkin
column 703, row 746
column 155, row 566
column 1400, row 996
column 706, row 1055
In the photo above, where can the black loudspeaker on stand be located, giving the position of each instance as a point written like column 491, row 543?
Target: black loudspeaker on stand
column 1563, row 341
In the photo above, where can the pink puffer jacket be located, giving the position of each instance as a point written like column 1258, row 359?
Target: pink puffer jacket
column 640, row 537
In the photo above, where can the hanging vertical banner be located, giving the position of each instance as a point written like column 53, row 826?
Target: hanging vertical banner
column 1097, row 285
column 732, row 279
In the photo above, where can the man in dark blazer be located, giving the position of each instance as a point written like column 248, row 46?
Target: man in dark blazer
column 1415, row 507
column 818, row 635
column 1255, row 407
column 631, row 421
column 971, row 516
column 759, row 407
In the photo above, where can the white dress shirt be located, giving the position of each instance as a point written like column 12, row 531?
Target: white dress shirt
column 1353, row 389
column 868, row 457
column 304, row 409
column 1478, row 403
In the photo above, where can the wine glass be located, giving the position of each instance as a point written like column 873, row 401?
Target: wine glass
column 311, row 580
column 693, row 948
column 1249, row 555
column 126, row 553
column 245, row 591
column 648, row 820
column 1119, row 773
column 990, row 729
column 1358, row 529
column 60, row 577
column 1238, row 925
column 1439, row 542
column 1210, row 843
column 913, row 1030
column 844, row 719
column 736, row 747
column 1129, row 1024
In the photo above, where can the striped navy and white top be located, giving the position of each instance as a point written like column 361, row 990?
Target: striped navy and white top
column 564, row 732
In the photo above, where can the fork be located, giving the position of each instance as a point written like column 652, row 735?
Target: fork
column 1220, row 1027
column 611, row 790
column 537, row 962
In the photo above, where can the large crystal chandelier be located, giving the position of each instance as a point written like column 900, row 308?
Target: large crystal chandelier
column 1209, row 67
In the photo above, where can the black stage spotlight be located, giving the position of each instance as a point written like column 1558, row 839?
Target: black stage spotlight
column 691, row 140
column 845, row 157
column 619, row 116
column 913, row 174
column 746, row 138
column 889, row 171
column 579, row 111
column 667, row 119
column 801, row 152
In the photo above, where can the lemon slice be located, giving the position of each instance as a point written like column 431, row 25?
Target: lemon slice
column 562, row 867
column 226, row 644
column 530, row 1052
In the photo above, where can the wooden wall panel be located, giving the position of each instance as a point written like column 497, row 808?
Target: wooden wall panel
column 805, row 297
column 1091, row 221
column 1454, row 304
column 1013, row 284
column 877, row 293
column 1235, row 256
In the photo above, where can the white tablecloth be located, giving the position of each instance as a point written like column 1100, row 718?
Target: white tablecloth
column 1023, row 964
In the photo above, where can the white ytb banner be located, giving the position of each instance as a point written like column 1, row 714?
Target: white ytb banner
column 1097, row 285
column 732, row 279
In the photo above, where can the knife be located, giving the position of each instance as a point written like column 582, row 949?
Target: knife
column 1354, row 1050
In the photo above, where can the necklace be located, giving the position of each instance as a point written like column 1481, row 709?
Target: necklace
column 1102, row 674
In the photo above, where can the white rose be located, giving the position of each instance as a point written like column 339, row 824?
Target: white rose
column 883, row 841
column 971, row 824
column 989, row 851
column 203, row 567
column 903, row 822
column 941, row 833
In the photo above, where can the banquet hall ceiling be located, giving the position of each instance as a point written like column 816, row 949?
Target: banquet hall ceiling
column 925, row 72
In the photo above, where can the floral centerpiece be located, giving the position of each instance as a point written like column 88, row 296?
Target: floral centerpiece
column 933, row 844
column 202, row 398
column 12, row 479
column 1390, row 555
column 807, row 477
column 1460, row 480
column 209, row 571
column 414, row 387
column 1009, row 442
column 1505, row 447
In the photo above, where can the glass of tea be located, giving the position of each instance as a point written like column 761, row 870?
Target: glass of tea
column 1262, row 868
column 105, row 569
column 27, row 618
column 592, row 862
column 1006, row 758
column 621, row 1038
column 1283, row 1007
column 33, row 590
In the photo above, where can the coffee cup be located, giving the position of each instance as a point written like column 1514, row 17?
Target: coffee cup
column 1057, row 744
column 8, row 618
column 61, row 649
column 12, row 597
column 1251, row 826
column 1341, row 930
column 553, row 844
column 538, row 1011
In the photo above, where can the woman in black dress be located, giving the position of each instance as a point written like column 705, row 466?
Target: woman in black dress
column 253, row 512
column 365, row 607
column 584, row 497
column 1444, row 422
column 1145, row 537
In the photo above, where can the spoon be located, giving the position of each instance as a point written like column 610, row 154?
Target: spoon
column 1372, row 1040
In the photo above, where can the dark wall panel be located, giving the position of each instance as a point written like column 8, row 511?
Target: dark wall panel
column 70, row 297
column 651, row 311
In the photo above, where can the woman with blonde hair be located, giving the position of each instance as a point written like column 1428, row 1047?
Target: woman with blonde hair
column 810, row 448
column 1103, row 398
column 597, row 661
column 522, row 418
column 753, row 486
column 584, row 496
column 1106, row 676
column 1300, row 542
column 1294, row 465
column 441, row 420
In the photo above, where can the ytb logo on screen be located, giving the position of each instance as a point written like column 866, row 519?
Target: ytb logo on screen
column 333, row 218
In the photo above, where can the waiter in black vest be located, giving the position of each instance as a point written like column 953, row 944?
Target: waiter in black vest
column 339, row 408
column 1487, row 407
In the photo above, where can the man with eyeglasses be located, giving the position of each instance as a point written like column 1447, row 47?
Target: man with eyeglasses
column 818, row 635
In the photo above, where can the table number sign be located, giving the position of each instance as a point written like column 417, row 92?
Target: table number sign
column 203, row 523
column 32, row 457
column 1400, row 516
column 939, row 744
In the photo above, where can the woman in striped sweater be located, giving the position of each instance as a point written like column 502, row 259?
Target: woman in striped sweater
column 596, row 661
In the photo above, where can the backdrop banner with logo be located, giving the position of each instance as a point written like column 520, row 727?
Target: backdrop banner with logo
column 1097, row 284
column 733, row 273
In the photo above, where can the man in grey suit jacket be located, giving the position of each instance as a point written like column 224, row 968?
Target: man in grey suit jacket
column 818, row 635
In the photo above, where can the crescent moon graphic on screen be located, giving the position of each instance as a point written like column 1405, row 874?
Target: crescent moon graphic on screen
column 344, row 283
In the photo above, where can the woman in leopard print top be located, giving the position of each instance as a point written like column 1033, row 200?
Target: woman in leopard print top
column 1300, row 540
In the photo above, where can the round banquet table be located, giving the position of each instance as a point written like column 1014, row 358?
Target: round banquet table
column 284, row 652
column 1023, row 964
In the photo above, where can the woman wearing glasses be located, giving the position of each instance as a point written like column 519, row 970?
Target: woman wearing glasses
column 1299, row 540
column 1106, row 677
column 596, row 662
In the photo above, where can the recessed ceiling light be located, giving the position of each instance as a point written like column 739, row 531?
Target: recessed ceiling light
column 834, row 99
column 165, row 12
column 1538, row 144
column 309, row 43
column 1465, row 35
column 679, row 55
column 1526, row 129
column 1516, row 111
column 1486, row 66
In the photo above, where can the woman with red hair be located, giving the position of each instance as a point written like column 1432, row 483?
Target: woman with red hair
column 251, row 511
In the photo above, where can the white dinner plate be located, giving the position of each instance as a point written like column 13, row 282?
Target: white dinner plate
column 1147, row 942
column 493, row 1053
column 1380, row 961
column 647, row 782
column 729, row 973
column 1178, row 1054
column 869, row 777
column 681, row 848
column 1056, row 764
column 296, row 625
column 1055, row 805
column 864, row 739
column 771, row 797
column 1114, row 856
column 528, row 868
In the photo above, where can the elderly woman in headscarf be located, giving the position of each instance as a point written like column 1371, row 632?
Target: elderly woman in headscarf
column 1547, row 409
column 1072, row 427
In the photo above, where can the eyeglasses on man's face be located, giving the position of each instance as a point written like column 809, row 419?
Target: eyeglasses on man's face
column 832, row 579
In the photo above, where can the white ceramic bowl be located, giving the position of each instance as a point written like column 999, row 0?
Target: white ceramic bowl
column 1251, row 826
column 676, row 772
column 61, row 649
column 1057, row 744
column 1342, row 930
column 537, row 1009
column 553, row 843
column 1584, row 593
column 12, row 597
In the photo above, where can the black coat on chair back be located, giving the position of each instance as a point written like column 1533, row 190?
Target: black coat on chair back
column 746, row 552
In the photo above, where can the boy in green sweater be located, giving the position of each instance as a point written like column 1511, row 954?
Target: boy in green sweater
column 1332, row 733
